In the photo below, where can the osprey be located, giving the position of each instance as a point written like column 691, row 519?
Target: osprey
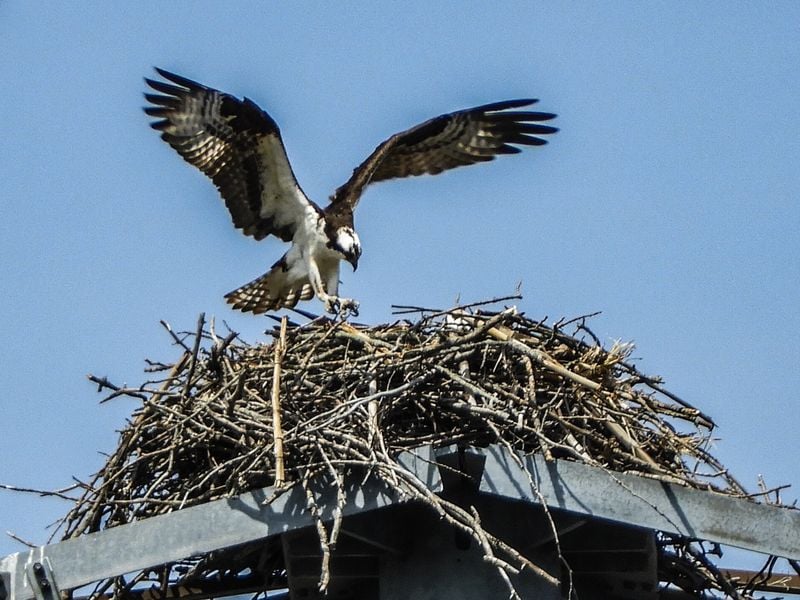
column 239, row 146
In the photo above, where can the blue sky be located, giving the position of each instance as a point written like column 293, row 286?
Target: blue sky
column 668, row 200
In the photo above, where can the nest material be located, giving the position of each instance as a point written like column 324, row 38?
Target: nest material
column 355, row 395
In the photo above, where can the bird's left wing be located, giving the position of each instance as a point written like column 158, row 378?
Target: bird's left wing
column 238, row 146
column 448, row 141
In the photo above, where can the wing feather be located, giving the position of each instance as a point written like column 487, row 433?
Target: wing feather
column 448, row 141
column 238, row 146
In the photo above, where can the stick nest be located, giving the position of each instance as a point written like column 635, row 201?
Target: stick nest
column 357, row 395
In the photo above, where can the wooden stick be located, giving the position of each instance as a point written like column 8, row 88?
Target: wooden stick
column 280, row 349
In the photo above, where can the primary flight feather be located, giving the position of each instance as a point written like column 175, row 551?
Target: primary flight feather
column 239, row 146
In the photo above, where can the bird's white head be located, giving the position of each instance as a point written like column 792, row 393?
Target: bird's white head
column 348, row 244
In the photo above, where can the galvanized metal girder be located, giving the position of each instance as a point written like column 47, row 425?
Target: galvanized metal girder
column 195, row 530
column 643, row 501
column 256, row 515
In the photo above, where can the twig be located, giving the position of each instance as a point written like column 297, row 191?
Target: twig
column 280, row 349
column 61, row 493
column 198, row 337
column 16, row 538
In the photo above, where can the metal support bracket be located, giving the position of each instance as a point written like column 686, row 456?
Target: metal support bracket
column 43, row 584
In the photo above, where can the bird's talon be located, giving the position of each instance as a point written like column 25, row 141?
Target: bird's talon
column 332, row 306
column 342, row 307
column 350, row 306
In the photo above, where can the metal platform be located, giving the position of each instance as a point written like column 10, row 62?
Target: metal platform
column 641, row 504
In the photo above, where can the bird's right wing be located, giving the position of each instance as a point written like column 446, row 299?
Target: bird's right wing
column 238, row 146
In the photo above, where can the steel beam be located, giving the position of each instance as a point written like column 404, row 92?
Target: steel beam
column 193, row 531
column 256, row 515
column 643, row 501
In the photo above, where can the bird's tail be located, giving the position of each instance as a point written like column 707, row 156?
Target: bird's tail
column 271, row 291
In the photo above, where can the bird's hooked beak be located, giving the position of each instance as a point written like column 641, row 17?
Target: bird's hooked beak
column 353, row 257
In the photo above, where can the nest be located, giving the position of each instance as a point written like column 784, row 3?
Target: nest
column 228, row 416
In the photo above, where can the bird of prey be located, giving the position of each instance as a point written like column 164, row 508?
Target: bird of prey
column 239, row 146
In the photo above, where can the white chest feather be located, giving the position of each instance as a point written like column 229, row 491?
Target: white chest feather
column 310, row 244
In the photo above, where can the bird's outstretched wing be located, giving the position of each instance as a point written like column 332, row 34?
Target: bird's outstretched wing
column 451, row 140
column 238, row 146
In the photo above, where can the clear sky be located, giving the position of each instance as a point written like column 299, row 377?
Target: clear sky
column 668, row 201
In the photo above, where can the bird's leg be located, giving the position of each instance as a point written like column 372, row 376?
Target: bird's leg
column 333, row 303
column 316, row 279
column 342, row 306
